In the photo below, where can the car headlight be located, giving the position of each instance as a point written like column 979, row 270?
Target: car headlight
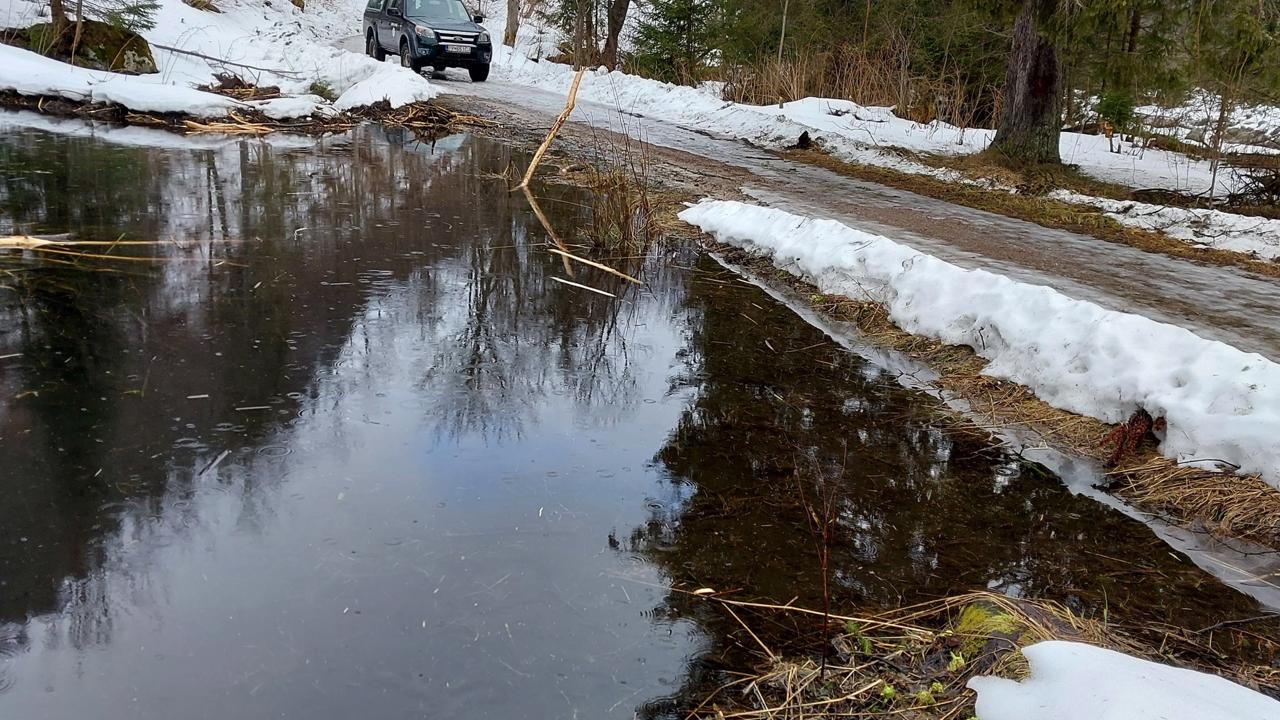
column 425, row 33
column 483, row 39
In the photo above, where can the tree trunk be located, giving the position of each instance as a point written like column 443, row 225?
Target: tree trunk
column 616, row 17
column 513, row 23
column 58, row 13
column 1031, row 117
column 1135, row 26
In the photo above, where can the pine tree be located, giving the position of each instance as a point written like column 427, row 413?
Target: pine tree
column 131, row 15
column 676, row 39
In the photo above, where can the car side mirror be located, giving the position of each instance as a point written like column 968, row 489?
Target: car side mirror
column 478, row 19
column 394, row 12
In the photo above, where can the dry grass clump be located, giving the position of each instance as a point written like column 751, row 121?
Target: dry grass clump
column 1035, row 179
column 1227, row 504
column 914, row 662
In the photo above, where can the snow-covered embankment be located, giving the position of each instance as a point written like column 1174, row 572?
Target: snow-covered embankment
column 1220, row 404
column 271, row 44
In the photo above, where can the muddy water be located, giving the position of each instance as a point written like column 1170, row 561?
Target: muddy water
column 343, row 448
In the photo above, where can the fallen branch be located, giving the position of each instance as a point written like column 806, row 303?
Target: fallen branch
column 584, row 287
column 202, row 56
column 555, row 128
column 551, row 233
column 594, row 264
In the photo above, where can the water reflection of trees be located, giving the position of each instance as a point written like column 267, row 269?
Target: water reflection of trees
column 923, row 512
column 274, row 258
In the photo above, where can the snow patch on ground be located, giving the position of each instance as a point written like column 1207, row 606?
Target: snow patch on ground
column 1220, row 404
column 1208, row 228
column 1074, row 681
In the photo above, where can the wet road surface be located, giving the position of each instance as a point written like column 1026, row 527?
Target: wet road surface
column 1219, row 303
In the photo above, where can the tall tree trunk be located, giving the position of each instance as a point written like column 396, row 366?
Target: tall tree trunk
column 1031, row 117
column 616, row 17
column 513, row 23
column 1135, row 26
column 58, row 13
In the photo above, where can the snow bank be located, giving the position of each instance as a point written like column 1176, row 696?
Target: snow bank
column 271, row 43
column 30, row 74
column 392, row 83
column 1074, row 681
column 1220, row 404
column 1208, row 228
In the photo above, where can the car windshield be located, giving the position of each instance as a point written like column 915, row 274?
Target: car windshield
column 436, row 10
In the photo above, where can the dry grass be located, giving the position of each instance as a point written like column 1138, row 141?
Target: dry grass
column 1034, row 179
column 914, row 662
column 1039, row 210
column 866, row 76
column 1227, row 505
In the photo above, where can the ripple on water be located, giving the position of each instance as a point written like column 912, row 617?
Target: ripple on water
column 11, row 643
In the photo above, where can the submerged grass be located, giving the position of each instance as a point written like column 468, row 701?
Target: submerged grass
column 914, row 662
column 1233, row 505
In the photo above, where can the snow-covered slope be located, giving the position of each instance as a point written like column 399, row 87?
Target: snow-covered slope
column 1074, row 681
column 269, row 44
column 1219, row 403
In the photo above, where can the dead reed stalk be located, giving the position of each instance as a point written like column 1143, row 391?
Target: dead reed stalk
column 569, row 103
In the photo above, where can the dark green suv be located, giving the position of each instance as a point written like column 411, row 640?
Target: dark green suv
column 428, row 33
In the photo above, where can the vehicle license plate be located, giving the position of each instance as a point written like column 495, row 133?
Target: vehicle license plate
column 459, row 49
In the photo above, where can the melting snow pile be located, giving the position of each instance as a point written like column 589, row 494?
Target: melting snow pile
column 1074, row 681
column 1220, row 404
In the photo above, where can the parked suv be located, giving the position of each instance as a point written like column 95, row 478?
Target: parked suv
column 428, row 33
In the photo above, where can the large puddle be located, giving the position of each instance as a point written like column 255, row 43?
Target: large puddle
column 349, row 451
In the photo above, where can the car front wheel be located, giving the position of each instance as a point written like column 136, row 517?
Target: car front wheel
column 373, row 49
column 479, row 73
column 406, row 57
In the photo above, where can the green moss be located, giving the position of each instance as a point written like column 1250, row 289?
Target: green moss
column 924, row 697
column 980, row 622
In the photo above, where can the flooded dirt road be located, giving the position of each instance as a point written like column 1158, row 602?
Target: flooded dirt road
column 337, row 445
column 1218, row 303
